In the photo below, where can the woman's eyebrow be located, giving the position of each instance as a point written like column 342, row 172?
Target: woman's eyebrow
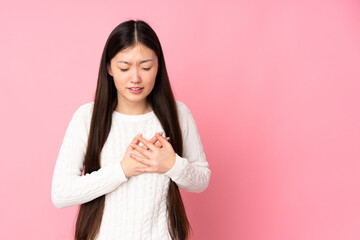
column 146, row 60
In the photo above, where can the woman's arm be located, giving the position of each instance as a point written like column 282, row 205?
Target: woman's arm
column 69, row 187
column 190, row 172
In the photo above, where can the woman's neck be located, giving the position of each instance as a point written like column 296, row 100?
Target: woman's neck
column 134, row 109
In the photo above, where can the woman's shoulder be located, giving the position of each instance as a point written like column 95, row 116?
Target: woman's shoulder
column 84, row 110
column 181, row 106
column 86, row 107
column 184, row 112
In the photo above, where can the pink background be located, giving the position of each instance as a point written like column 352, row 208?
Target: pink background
column 273, row 87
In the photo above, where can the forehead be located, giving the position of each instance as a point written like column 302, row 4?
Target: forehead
column 134, row 53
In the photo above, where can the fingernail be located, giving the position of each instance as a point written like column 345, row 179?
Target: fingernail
column 161, row 133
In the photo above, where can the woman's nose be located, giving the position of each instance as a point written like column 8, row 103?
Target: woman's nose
column 136, row 77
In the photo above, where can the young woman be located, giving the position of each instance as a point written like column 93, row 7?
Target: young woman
column 128, row 183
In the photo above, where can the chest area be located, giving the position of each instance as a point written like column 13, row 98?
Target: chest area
column 122, row 134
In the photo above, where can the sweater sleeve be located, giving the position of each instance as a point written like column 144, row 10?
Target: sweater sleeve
column 69, row 186
column 190, row 172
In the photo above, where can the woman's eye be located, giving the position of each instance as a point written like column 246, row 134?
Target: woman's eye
column 124, row 70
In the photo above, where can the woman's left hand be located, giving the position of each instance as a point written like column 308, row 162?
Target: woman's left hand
column 159, row 159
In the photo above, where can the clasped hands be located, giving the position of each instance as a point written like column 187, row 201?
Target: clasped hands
column 155, row 155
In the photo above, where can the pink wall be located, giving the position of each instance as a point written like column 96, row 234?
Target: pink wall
column 272, row 85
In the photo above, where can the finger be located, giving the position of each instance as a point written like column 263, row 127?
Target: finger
column 136, row 153
column 158, row 144
column 163, row 140
column 146, row 143
column 140, row 149
column 140, row 159
column 135, row 141
column 153, row 140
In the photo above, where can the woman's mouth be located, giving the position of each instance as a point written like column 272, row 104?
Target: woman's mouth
column 136, row 90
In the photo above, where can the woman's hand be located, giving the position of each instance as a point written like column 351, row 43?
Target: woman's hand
column 157, row 159
column 128, row 164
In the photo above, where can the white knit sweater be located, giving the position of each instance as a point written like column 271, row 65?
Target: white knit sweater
column 135, row 207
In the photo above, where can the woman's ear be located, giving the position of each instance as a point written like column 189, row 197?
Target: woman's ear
column 108, row 68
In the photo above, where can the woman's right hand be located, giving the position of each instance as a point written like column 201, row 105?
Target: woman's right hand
column 128, row 164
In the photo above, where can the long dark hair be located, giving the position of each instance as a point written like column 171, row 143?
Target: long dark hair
column 163, row 103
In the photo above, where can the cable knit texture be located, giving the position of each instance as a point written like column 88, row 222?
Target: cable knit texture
column 135, row 207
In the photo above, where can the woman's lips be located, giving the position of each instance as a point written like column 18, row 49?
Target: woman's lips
column 136, row 91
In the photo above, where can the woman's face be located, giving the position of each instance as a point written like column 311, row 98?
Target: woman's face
column 131, row 68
